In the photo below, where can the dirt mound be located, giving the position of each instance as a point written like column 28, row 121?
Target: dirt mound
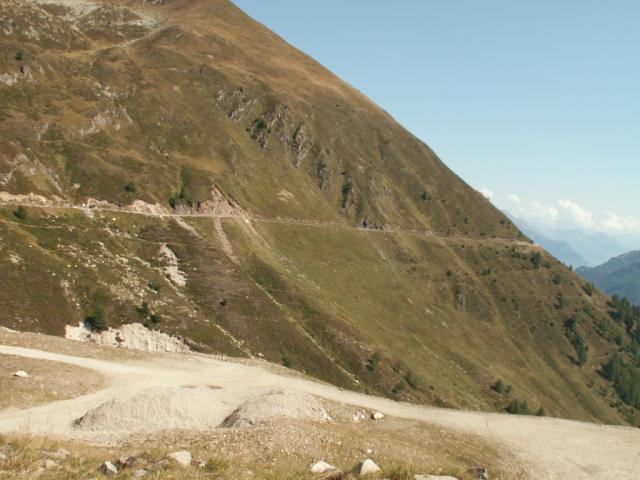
column 277, row 404
column 156, row 409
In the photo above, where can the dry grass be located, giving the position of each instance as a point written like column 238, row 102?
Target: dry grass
column 47, row 382
column 275, row 451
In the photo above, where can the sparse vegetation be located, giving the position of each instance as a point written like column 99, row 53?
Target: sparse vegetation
column 536, row 259
column 97, row 321
column 625, row 378
column 374, row 362
column 20, row 213
column 576, row 339
column 517, row 407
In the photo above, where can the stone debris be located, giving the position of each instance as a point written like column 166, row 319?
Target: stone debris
column 21, row 374
column 48, row 464
column 433, row 477
column 367, row 467
column 481, row 474
column 377, row 416
column 140, row 473
column 109, row 468
column 359, row 416
column 126, row 462
column 322, row 467
column 182, row 458
column 134, row 336
column 3, row 457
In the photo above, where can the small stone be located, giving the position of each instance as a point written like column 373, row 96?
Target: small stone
column 3, row 457
column 322, row 467
column 140, row 473
column 126, row 461
column 481, row 474
column 368, row 451
column 377, row 415
column 368, row 466
column 433, row 477
column 21, row 374
column 109, row 468
column 48, row 463
column 182, row 458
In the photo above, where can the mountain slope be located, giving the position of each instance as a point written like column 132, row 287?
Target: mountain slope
column 619, row 276
column 177, row 164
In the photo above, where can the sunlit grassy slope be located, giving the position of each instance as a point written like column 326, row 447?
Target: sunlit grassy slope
column 433, row 302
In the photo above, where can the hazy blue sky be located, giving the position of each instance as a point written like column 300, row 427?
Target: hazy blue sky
column 535, row 100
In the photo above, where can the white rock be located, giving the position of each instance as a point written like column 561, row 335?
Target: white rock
column 368, row 466
column 109, row 468
column 140, row 473
column 21, row 374
column 433, row 477
column 182, row 458
column 377, row 415
column 368, row 451
column 322, row 467
column 3, row 457
column 49, row 464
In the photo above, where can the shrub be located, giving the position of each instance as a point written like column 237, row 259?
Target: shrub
column 374, row 362
column 20, row 213
column 516, row 407
column 499, row 387
column 536, row 259
column 541, row 412
column 97, row 321
column 19, row 55
column 557, row 279
column 625, row 378
column 572, row 332
column 589, row 289
column 154, row 286
column 143, row 309
column 130, row 187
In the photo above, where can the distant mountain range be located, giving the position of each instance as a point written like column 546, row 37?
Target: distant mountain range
column 578, row 248
column 619, row 276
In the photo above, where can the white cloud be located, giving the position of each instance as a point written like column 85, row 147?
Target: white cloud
column 539, row 212
column 620, row 224
column 487, row 193
column 567, row 214
column 574, row 214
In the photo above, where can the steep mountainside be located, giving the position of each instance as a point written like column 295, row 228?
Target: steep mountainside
column 619, row 276
column 175, row 163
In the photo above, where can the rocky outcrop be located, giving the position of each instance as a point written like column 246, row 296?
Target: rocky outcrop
column 133, row 335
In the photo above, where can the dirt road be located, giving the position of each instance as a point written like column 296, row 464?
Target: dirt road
column 555, row 449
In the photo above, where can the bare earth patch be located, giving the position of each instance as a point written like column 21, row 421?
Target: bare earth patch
column 47, row 382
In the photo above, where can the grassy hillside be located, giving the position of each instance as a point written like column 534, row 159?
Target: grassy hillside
column 619, row 276
column 347, row 249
